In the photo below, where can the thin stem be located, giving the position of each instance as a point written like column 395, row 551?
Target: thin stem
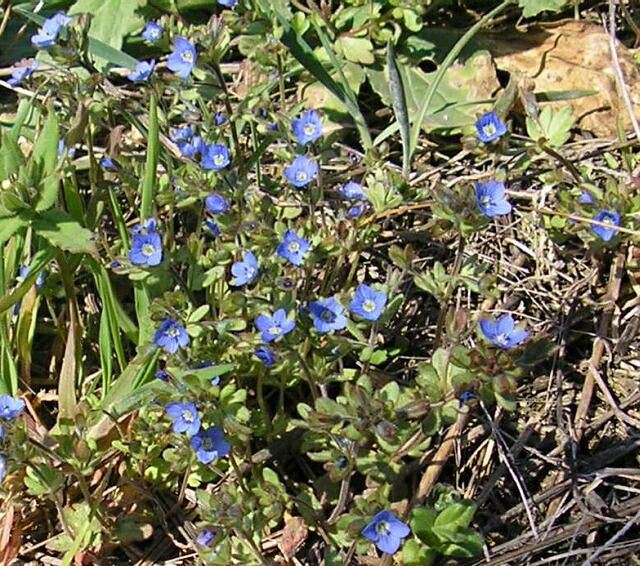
column 442, row 315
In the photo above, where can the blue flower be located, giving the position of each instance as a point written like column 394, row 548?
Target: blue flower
column 307, row 128
column 353, row 191
column 266, row 356
column 272, row 327
column 209, row 445
column 162, row 375
column 184, row 416
column 368, row 303
column 1, row 435
column 22, row 73
column 171, row 336
column 183, row 57
column 490, row 198
column 152, row 32
column 107, row 163
column 188, row 144
column 212, row 227
column 142, row 71
column 611, row 219
column 356, row 210
column 10, row 408
column 586, row 198
column 146, row 227
column 48, row 33
column 215, row 157
column 219, row 119
column 228, row 3
column 386, row 531
column 205, row 537
column 503, row 332
column 62, row 148
column 490, row 127
column 216, row 204
column 244, row 271
column 24, row 271
column 293, row 248
column 3, row 467
column 301, row 171
column 327, row 315
column 146, row 249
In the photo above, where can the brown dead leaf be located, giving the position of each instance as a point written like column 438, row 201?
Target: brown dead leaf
column 571, row 55
column 293, row 535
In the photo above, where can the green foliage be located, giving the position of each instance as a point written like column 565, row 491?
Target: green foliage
column 531, row 8
column 554, row 126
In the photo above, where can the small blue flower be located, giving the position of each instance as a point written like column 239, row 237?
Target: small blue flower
column 62, row 147
column 48, row 33
column 272, row 327
column 368, row 303
column 386, row 531
column 228, row 3
column 162, row 375
column 146, row 227
column 266, row 356
column 24, row 271
column 205, row 537
column 142, row 71
column 209, row 445
column 215, row 157
column 490, row 127
column 611, row 219
column 107, row 163
column 171, row 336
column 216, row 204
column 184, row 416
column 219, row 119
column 466, row 397
column 3, row 467
column 188, row 144
column 146, row 249
column 1, row 435
column 212, row 227
column 10, row 408
column 490, row 198
column 503, row 332
column 22, row 73
column 293, row 248
column 356, row 210
column 244, row 271
column 301, row 171
column 353, row 191
column 327, row 315
column 307, row 128
column 183, row 57
column 586, row 198
column 152, row 32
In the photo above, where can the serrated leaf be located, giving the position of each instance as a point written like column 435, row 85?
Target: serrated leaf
column 64, row 232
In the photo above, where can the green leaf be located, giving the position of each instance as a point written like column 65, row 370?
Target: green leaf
column 203, row 374
column 65, row 233
column 45, row 155
column 456, row 515
column 11, row 157
column 532, row 8
column 9, row 225
column 422, row 519
column 415, row 554
column 355, row 49
column 553, row 125
column 399, row 102
column 111, row 21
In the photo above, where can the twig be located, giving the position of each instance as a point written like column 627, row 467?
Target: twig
column 615, row 277
column 612, row 540
column 618, row 70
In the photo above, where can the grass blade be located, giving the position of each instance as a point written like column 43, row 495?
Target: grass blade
column 399, row 103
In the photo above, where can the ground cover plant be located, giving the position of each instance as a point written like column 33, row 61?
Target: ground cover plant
column 288, row 282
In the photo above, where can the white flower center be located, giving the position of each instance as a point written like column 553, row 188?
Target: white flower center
column 309, row 129
column 489, row 129
column 301, row 176
column 368, row 306
column 187, row 56
column 218, row 159
column 502, row 339
column 485, row 200
column 187, row 416
column 148, row 250
column 294, row 247
column 382, row 528
column 173, row 332
column 274, row 330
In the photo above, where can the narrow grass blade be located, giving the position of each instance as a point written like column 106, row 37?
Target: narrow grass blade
column 38, row 263
column 151, row 165
column 399, row 102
